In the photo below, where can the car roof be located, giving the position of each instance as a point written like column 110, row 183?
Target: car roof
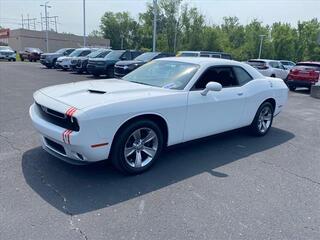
column 201, row 60
column 309, row 62
column 265, row 60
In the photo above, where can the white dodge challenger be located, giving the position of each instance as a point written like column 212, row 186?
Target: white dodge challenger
column 165, row 102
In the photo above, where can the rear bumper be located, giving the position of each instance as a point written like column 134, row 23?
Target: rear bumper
column 299, row 83
column 78, row 150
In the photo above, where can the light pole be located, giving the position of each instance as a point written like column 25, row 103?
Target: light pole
column 155, row 8
column 84, row 23
column 261, row 41
column 46, row 6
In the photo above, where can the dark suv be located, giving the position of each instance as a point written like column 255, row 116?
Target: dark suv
column 105, row 66
column 79, row 64
column 49, row 59
column 122, row 68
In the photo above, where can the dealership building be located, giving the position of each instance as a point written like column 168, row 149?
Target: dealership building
column 19, row 39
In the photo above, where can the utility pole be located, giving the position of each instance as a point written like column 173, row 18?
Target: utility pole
column 41, row 21
column 22, row 21
column 261, row 41
column 121, row 36
column 28, row 21
column 84, row 23
column 155, row 12
column 46, row 6
column 55, row 23
column 176, row 32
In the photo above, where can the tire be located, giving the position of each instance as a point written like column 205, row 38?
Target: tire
column 128, row 140
column 273, row 76
column 292, row 88
column 14, row 60
column 263, row 119
column 9, row 60
column 96, row 75
column 53, row 65
column 22, row 59
column 110, row 72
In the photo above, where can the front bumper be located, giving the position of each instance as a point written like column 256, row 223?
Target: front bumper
column 95, row 69
column 45, row 62
column 78, row 150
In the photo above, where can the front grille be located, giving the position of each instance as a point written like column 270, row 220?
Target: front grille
column 55, row 146
column 59, row 119
column 120, row 70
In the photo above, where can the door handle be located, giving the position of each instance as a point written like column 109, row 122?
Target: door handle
column 240, row 93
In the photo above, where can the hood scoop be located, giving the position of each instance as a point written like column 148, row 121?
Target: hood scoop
column 96, row 91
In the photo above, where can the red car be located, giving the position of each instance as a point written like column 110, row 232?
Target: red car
column 32, row 54
column 304, row 74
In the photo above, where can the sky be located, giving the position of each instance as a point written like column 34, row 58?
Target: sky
column 70, row 12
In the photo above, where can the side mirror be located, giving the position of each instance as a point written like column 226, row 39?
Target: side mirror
column 212, row 86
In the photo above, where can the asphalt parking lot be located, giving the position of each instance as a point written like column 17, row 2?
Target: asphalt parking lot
column 230, row 186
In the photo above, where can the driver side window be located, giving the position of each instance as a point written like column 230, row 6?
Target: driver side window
column 223, row 75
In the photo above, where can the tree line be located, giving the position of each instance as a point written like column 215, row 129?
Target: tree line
column 181, row 27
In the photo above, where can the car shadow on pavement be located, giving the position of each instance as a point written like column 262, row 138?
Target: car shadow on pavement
column 80, row 189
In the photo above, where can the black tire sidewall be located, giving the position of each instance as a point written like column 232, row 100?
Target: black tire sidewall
column 117, row 152
column 254, row 125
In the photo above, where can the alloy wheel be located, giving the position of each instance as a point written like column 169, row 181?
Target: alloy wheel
column 265, row 118
column 141, row 147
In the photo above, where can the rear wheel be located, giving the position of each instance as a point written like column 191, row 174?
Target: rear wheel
column 273, row 75
column 263, row 120
column 137, row 147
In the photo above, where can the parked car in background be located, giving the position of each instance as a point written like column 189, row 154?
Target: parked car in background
column 49, row 59
column 79, row 64
column 7, row 53
column 122, row 68
column 131, row 120
column 204, row 54
column 269, row 68
column 287, row 64
column 303, row 74
column 105, row 66
column 64, row 62
column 31, row 54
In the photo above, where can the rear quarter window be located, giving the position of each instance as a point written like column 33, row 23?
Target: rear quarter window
column 242, row 75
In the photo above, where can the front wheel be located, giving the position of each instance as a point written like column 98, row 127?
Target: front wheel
column 137, row 147
column 263, row 120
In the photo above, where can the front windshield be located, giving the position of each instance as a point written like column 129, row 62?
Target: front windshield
column 165, row 74
column 99, row 53
column 114, row 55
column 76, row 53
column 145, row 57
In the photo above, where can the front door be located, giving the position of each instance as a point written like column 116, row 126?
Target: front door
column 217, row 111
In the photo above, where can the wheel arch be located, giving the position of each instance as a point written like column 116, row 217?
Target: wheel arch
column 272, row 101
column 156, row 118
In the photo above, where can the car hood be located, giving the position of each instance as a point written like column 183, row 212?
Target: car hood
column 7, row 51
column 127, row 63
column 51, row 54
column 100, row 92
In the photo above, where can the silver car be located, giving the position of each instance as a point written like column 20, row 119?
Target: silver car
column 7, row 53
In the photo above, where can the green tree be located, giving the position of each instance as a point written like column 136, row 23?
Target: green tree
column 120, row 28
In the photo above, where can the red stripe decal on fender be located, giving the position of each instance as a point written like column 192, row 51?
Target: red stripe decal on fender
column 68, row 136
